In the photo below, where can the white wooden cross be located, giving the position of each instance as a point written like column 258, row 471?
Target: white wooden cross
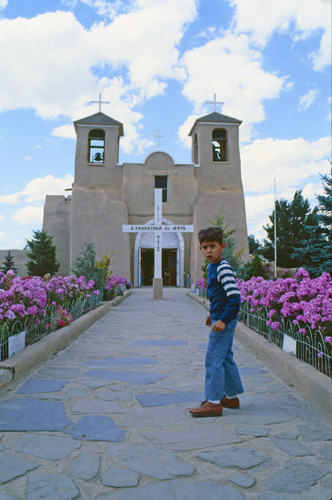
column 215, row 102
column 157, row 228
column 158, row 138
column 100, row 102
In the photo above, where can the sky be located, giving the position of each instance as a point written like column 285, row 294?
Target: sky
column 158, row 62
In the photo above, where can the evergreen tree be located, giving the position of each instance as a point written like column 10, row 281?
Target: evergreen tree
column 254, row 268
column 8, row 263
column 41, row 255
column 315, row 250
column 325, row 205
column 255, row 247
column 312, row 251
column 85, row 262
column 86, row 265
column 293, row 220
column 230, row 253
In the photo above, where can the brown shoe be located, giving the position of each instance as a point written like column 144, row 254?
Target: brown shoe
column 207, row 409
column 234, row 403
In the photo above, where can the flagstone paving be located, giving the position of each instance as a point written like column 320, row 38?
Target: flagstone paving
column 107, row 418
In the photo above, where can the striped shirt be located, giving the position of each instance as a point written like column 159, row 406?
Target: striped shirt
column 223, row 292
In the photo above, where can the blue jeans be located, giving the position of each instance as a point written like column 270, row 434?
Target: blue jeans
column 221, row 373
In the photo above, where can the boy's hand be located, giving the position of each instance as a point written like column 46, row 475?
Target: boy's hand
column 208, row 320
column 219, row 326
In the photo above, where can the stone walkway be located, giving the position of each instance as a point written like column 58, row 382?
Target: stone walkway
column 107, row 418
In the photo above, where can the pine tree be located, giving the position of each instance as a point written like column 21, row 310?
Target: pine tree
column 9, row 263
column 230, row 253
column 85, row 262
column 254, row 268
column 292, row 221
column 86, row 265
column 255, row 247
column 41, row 255
column 325, row 205
column 312, row 251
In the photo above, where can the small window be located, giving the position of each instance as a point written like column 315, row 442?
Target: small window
column 219, row 144
column 161, row 182
column 96, row 146
column 195, row 158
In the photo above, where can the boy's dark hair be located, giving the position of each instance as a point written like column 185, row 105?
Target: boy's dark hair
column 211, row 234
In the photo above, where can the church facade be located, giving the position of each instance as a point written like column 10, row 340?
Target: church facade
column 106, row 195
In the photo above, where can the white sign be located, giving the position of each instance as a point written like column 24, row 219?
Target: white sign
column 127, row 228
column 157, row 228
column 289, row 344
column 16, row 343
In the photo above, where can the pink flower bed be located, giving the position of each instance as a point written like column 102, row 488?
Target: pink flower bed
column 200, row 284
column 114, row 282
column 28, row 297
column 305, row 302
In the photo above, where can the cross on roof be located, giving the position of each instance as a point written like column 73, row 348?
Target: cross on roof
column 214, row 102
column 100, row 102
column 158, row 135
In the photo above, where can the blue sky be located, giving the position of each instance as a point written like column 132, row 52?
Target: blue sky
column 158, row 62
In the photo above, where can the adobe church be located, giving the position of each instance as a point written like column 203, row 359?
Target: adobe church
column 106, row 195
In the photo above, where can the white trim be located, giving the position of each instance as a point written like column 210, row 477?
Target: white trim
column 96, row 125
column 179, row 255
column 215, row 124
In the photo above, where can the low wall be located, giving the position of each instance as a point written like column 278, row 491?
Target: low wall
column 15, row 367
column 304, row 378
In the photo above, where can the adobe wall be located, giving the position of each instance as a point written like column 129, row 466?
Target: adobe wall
column 56, row 223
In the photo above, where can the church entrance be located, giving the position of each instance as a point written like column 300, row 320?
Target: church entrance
column 169, row 260
column 172, row 258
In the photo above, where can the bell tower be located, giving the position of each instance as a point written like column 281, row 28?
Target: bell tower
column 215, row 150
column 97, row 145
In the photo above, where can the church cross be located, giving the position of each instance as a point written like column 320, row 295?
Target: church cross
column 158, row 135
column 157, row 228
column 215, row 102
column 100, row 102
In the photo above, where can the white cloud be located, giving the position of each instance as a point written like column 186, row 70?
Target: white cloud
column 244, row 92
column 258, row 209
column 3, row 4
column 61, row 78
column 27, row 158
column 70, row 53
column 306, row 100
column 38, row 188
column 290, row 162
column 66, row 131
column 11, row 199
column 2, row 217
column 184, row 130
column 300, row 18
column 311, row 190
column 106, row 8
column 2, row 235
column 29, row 215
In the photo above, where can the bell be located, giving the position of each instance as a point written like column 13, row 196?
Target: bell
column 97, row 157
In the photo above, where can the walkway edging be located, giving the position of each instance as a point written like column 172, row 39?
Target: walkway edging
column 291, row 370
column 21, row 362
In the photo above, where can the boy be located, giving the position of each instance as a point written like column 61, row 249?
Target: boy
column 222, row 379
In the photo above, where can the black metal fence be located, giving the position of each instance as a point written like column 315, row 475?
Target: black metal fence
column 34, row 329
